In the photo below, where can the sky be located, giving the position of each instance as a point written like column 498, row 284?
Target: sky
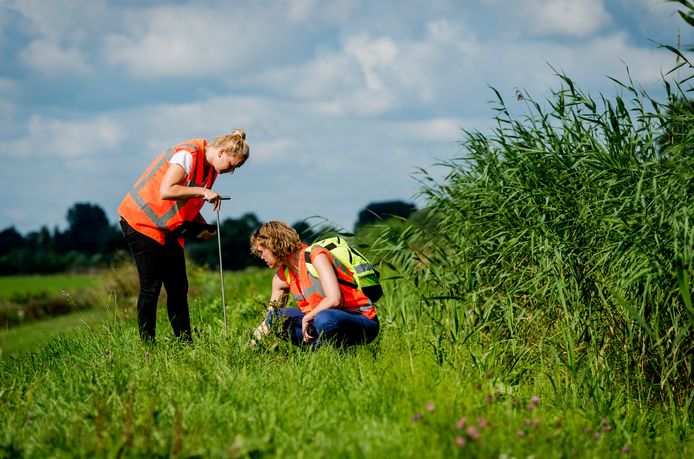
column 343, row 101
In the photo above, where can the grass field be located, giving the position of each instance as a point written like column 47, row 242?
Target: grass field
column 26, row 338
column 97, row 391
column 20, row 285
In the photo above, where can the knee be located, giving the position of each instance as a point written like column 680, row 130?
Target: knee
column 177, row 289
column 150, row 291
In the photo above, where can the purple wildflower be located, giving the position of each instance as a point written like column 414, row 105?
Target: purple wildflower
column 461, row 423
column 482, row 423
column 473, row 433
column 459, row 442
column 416, row 417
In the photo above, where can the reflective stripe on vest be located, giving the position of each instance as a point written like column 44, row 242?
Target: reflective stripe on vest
column 195, row 176
column 312, row 286
column 143, row 208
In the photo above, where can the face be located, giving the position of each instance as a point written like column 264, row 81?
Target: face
column 223, row 163
column 267, row 256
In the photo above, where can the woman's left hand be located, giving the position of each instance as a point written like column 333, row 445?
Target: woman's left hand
column 305, row 324
column 206, row 235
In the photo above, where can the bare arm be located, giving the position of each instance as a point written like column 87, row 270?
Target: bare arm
column 333, row 296
column 280, row 290
column 172, row 190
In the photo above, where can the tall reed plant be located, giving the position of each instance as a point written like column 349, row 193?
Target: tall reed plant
column 571, row 226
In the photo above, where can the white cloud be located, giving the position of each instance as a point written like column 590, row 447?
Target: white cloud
column 300, row 10
column 314, row 12
column 50, row 59
column 370, row 75
column 436, row 129
column 355, row 79
column 273, row 150
column 373, row 57
column 66, row 21
column 66, row 140
column 570, row 18
column 189, row 41
column 589, row 65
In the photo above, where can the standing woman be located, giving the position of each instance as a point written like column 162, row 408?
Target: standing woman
column 330, row 308
column 172, row 191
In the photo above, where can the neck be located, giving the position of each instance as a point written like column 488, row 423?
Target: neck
column 293, row 261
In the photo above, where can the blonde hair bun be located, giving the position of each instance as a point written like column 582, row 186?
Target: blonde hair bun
column 240, row 132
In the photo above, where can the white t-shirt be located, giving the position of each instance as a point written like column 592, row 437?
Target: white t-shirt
column 184, row 159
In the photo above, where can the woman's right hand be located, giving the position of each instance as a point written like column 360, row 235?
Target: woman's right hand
column 211, row 196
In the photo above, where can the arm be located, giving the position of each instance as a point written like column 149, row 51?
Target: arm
column 280, row 291
column 278, row 298
column 171, row 188
column 333, row 296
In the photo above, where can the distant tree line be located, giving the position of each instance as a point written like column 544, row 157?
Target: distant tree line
column 90, row 241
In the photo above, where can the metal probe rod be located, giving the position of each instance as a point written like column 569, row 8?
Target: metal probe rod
column 221, row 269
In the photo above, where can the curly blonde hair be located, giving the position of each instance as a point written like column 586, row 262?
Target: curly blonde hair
column 276, row 236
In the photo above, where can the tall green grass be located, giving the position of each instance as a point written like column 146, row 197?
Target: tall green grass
column 565, row 236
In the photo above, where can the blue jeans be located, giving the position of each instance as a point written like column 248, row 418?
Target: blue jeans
column 342, row 327
column 156, row 265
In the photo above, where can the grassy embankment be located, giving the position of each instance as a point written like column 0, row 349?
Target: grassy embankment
column 57, row 291
column 97, row 391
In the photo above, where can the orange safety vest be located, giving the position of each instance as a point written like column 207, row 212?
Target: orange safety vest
column 307, row 289
column 152, row 216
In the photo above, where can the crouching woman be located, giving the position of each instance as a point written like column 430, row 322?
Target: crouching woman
column 329, row 308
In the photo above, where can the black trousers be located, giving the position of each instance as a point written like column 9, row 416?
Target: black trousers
column 156, row 265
